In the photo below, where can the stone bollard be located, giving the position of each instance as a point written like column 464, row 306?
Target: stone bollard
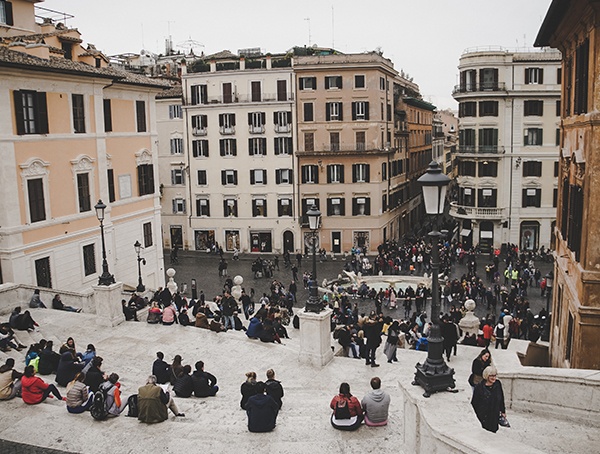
column 171, row 285
column 469, row 323
column 315, row 337
column 107, row 298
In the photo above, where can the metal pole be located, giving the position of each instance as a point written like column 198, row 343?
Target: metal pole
column 106, row 278
column 140, row 287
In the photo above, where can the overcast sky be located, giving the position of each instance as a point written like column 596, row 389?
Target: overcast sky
column 425, row 38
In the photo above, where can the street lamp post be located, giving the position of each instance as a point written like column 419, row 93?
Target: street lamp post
column 314, row 302
column 138, row 247
column 549, row 284
column 106, row 278
column 434, row 374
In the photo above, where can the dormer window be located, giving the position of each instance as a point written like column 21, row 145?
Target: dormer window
column 68, row 50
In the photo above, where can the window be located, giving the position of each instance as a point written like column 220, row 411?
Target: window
column 202, row 181
column 256, row 122
column 468, row 80
column 107, row 115
column 310, row 174
column 555, row 198
column 533, row 136
column 284, row 176
column 488, row 140
column 37, row 206
column 582, row 57
column 361, row 140
column 466, row 168
column 147, row 230
column 309, row 141
column 534, row 75
column 89, row 259
column 140, row 110
column 230, row 208
column 178, row 206
column 487, row 109
column 258, row 176
column 308, row 111
column 532, row 169
column 336, row 206
column 383, row 171
column 43, row 273
column 556, row 168
column 145, row 179
column 359, row 81
column 333, row 82
column 488, row 79
column 200, row 148
column 228, row 147
column 283, row 145
column 466, row 197
column 533, row 108
column 78, row 113
column 284, row 207
column 175, row 111
column 466, row 138
column 227, row 90
column 532, row 197
column 488, row 169
column 83, row 192
column 282, row 94
column 334, row 141
column 6, row 13
column 360, row 173
column 486, row 198
column 335, row 173
column 307, row 204
column 282, row 121
column 229, row 177
column 558, row 76
column 67, row 50
column 31, row 112
column 227, row 123
column 257, row 146
column 333, row 111
column 382, row 83
column 199, row 125
column 259, row 208
column 177, row 146
column 308, row 83
column 360, row 110
column 558, row 109
column 467, row 109
column 361, row 206
column 202, row 207
column 557, row 140
column 111, row 185
column 256, row 89
column 177, row 176
column 199, row 94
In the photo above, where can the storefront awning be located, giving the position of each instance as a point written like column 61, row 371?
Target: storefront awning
column 465, row 232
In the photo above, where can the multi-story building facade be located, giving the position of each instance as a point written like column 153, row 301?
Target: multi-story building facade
column 351, row 163
column 238, row 149
column 508, row 147
column 449, row 124
column 572, row 27
column 73, row 131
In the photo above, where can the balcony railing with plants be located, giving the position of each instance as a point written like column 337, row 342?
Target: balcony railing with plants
column 485, row 86
column 469, row 212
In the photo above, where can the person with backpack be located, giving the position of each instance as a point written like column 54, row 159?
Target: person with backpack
column 111, row 390
column 347, row 412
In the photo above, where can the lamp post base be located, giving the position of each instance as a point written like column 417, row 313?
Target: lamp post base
column 106, row 279
column 140, row 288
column 434, row 374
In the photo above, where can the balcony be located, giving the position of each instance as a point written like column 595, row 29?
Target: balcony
column 283, row 128
column 227, row 130
column 236, row 98
column 256, row 129
column 475, row 213
column 483, row 87
column 477, row 150
column 199, row 131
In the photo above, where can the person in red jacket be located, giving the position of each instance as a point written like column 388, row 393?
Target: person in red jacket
column 347, row 411
column 35, row 390
column 488, row 330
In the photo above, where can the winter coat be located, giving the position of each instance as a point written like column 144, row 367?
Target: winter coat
column 32, row 389
column 248, row 389
column 67, row 369
column 202, row 321
column 184, row 386
column 161, row 370
column 488, row 403
column 353, row 404
column 152, row 404
column 77, row 395
column 94, row 378
column 203, row 383
column 254, row 328
column 376, row 405
column 275, row 390
column 262, row 413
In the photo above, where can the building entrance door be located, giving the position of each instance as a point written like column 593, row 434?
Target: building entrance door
column 42, row 272
column 176, row 236
column 336, row 242
column 288, row 241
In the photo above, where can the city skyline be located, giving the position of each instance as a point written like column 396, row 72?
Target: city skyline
column 412, row 45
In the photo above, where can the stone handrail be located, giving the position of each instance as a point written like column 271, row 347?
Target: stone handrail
column 12, row 295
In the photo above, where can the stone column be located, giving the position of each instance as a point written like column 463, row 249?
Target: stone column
column 315, row 338
column 107, row 298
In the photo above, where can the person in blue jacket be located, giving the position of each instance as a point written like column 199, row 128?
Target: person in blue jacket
column 262, row 411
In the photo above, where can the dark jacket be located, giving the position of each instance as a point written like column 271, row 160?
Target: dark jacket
column 248, row 389
column 262, row 413
column 152, row 404
column 48, row 362
column 67, row 369
column 448, row 331
column 254, row 328
column 161, row 370
column 203, row 383
column 488, row 403
column 94, row 378
column 184, row 386
column 372, row 331
column 275, row 390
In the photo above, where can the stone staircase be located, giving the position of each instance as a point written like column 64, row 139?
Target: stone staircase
column 219, row 425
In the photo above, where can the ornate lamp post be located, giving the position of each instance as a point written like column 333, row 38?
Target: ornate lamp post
column 106, row 278
column 434, row 375
column 138, row 247
column 314, row 302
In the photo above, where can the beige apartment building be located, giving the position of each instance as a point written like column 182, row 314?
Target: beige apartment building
column 352, row 149
column 73, row 131
column 507, row 158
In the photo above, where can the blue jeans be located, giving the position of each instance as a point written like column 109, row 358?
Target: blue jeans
column 228, row 321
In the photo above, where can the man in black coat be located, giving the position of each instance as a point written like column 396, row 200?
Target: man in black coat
column 205, row 384
column 160, row 369
column 372, row 329
column 450, row 335
column 262, row 411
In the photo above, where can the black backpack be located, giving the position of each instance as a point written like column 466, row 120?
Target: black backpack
column 98, row 409
column 132, row 406
column 341, row 409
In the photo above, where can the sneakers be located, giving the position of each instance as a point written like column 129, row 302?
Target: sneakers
column 182, row 415
column 374, row 365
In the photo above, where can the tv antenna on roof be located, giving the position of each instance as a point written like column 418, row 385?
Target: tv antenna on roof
column 308, row 20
